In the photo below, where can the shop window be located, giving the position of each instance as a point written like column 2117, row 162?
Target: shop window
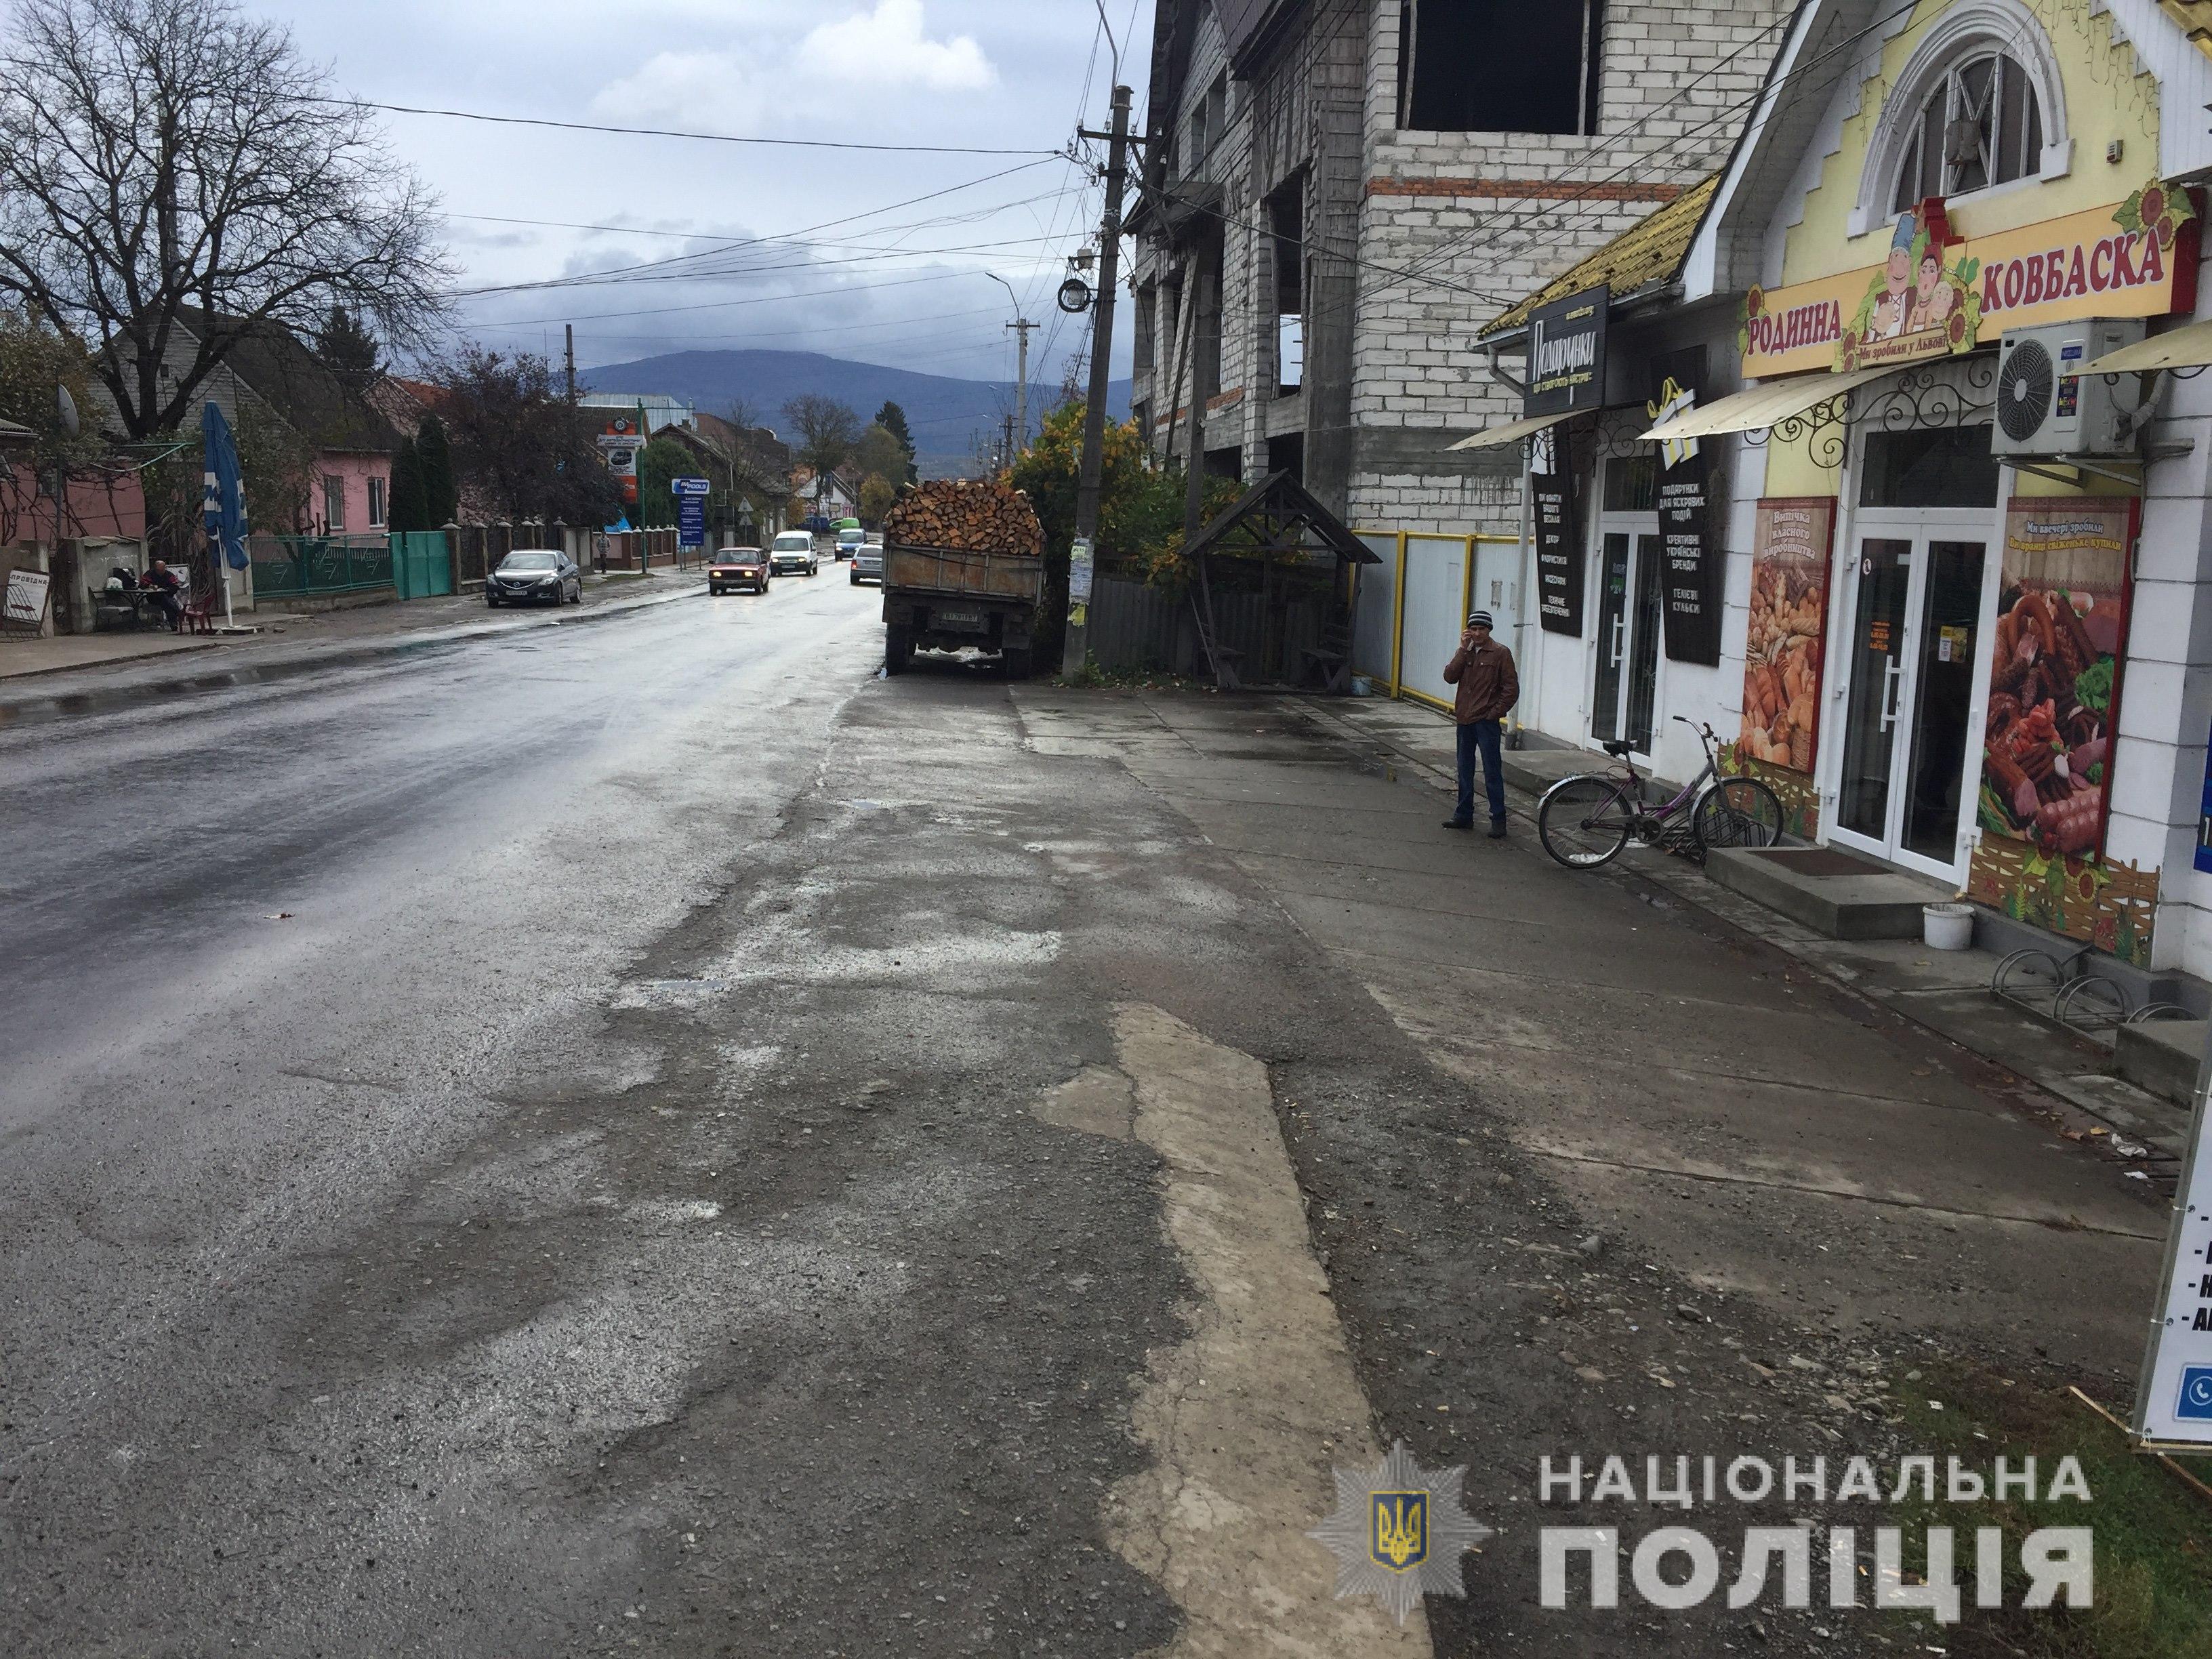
column 1948, row 466
column 1980, row 124
column 1631, row 484
column 1500, row 66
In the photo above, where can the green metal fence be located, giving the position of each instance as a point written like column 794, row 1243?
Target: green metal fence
column 421, row 564
column 303, row 566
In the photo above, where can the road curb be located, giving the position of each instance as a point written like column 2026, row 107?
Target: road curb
column 29, row 710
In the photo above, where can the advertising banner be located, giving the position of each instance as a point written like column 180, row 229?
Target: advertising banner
column 618, row 448
column 691, row 521
column 26, row 597
column 1566, row 354
column 1935, row 294
column 1559, row 565
column 2174, row 1396
column 1792, row 540
column 2056, row 668
column 1693, row 574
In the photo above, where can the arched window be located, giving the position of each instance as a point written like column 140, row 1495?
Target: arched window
column 1981, row 125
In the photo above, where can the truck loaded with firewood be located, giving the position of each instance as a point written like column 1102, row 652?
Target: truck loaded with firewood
column 962, row 565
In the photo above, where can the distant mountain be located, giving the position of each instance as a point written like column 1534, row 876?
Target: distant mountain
column 942, row 413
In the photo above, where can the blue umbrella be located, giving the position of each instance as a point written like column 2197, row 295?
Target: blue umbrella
column 224, row 499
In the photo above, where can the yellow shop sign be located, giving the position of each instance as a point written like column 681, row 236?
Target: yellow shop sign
column 1935, row 294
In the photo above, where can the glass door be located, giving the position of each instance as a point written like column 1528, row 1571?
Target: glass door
column 1877, row 646
column 1631, row 593
column 1916, row 614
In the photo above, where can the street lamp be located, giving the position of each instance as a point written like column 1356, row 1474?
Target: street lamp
column 1021, row 326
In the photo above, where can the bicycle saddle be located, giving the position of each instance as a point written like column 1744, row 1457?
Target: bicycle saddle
column 1619, row 751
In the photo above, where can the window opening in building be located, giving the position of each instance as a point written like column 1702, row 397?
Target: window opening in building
column 1943, row 466
column 1501, row 65
column 1286, row 215
column 1287, row 453
column 1631, row 484
column 333, row 503
column 376, row 504
column 1982, row 125
column 1225, row 463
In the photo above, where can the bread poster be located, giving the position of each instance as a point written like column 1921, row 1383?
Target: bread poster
column 1791, row 548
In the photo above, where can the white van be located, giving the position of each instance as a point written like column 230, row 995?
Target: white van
column 793, row 554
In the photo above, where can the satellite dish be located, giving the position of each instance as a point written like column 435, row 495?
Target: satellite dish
column 1075, row 296
column 67, row 405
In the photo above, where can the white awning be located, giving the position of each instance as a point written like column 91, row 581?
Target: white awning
column 2187, row 347
column 1512, row 432
column 1765, row 404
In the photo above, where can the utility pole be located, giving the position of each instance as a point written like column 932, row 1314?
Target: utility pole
column 1076, row 654
column 1022, row 325
column 571, row 328
column 1006, row 454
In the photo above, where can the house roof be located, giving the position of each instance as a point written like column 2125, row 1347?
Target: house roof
column 12, row 434
column 1650, row 251
column 1277, row 515
column 270, row 361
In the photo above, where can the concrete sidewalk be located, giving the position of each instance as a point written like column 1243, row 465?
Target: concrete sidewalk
column 22, row 658
column 1719, row 1097
column 308, row 645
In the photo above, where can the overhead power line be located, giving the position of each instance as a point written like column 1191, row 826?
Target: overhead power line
column 671, row 132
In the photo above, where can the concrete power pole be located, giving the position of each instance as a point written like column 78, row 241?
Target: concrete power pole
column 1076, row 654
column 571, row 354
column 1022, row 325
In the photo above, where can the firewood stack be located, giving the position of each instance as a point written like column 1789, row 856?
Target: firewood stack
column 968, row 518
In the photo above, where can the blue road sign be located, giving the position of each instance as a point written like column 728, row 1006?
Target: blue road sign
column 689, row 487
column 691, row 521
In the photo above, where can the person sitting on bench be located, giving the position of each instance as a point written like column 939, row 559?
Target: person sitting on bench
column 165, row 584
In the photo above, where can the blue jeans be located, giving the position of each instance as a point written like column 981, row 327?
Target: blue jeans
column 1481, row 738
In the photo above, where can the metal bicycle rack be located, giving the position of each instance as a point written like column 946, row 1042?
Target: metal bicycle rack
column 2064, row 991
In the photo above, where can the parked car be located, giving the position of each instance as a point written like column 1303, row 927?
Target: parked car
column 793, row 554
column 850, row 542
column 868, row 563
column 535, row 576
column 738, row 567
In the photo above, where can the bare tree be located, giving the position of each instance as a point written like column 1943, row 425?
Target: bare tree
column 828, row 432
column 173, row 168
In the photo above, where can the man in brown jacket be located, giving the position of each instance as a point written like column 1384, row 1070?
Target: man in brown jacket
column 1488, row 687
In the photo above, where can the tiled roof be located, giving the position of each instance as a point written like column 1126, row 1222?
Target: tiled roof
column 1650, row 252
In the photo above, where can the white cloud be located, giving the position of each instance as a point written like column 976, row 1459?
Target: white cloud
column 695, row 91
column 888, row 47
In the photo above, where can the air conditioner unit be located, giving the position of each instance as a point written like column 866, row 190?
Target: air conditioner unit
column 2046, row 408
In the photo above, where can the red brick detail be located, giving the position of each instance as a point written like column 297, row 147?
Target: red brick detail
column 1526, row 190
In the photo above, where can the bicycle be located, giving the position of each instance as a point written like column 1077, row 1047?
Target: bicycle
column 1584, row 821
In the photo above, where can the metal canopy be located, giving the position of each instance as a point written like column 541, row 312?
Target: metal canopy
column 1496, row 437
column 1762, row 406
column 2187, row 347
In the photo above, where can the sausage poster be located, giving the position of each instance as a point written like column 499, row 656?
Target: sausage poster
column 2055, row 673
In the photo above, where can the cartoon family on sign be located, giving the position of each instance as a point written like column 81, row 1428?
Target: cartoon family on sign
column 1915, row 305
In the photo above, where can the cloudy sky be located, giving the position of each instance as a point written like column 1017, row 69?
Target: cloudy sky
column 791, row 248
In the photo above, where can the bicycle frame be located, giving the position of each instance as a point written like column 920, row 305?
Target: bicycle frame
column 1647, row 814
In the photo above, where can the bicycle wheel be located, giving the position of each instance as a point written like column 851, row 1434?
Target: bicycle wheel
column 1737, row 812
column 1585, row 822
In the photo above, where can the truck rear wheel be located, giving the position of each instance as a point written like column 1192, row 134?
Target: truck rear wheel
column 898, row 650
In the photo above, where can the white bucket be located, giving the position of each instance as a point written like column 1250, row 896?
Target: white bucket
column 1947, row 926
column 1361, row 686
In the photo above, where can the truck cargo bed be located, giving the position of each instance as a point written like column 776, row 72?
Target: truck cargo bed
column 950, row 570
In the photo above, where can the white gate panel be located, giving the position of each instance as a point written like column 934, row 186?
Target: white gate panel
column 1435, row 591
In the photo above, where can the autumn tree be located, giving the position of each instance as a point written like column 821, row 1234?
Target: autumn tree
column 879, row 453
column 878, row 496
column 174, row 174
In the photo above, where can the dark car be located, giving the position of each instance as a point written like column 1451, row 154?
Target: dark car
column 738, row 567
column 537, row 577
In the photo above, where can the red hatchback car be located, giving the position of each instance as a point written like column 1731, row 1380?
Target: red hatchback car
column 738, row 567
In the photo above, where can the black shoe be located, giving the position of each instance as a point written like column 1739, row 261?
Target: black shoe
column 1458, row 824
column 1497, row 829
